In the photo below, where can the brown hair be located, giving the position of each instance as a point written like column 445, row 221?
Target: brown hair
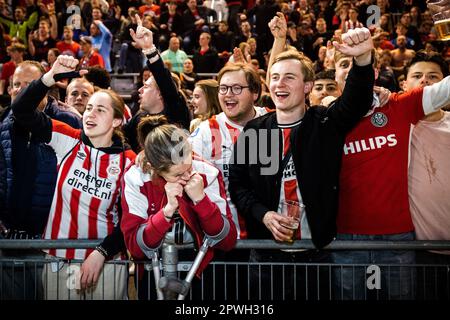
column 33, row 64
column 306, row 63
column 118, row 106
column 252, row 77
column 18, row 47
column 211, row 89
column 164, row 144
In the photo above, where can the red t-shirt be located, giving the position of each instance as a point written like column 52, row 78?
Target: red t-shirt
column 373, row 197
column 94, row 59
column 63, row 47
column 7, row 72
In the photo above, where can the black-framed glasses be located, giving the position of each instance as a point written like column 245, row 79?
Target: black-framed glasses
column 235, row 89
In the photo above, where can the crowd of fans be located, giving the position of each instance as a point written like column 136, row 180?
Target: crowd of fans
column 102, row 168
column 97, row 32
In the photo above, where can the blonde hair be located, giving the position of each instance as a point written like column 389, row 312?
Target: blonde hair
column 306, row 63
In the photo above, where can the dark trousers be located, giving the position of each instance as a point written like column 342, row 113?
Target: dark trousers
column 21, row 274
column 433, row 276
column 279, row 275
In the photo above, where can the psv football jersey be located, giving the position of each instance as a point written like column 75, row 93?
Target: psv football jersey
column 213, row 140
column 373, row 196
column 85, row 204
column 289, row 187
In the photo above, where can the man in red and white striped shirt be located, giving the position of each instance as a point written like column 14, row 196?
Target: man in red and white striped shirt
column 213, row 140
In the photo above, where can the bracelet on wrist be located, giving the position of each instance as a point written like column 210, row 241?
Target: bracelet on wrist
column 102, row 251
column 167, row 217
column 150, row 51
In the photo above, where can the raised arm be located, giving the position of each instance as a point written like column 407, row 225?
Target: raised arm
column 357, row 97
column 106, row 33
column 436, row 96
column 175, row 107
column 26, row 103
column 278, row 27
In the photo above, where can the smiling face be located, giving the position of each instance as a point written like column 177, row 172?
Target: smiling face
column 287, row 87
column 51, row 57
column 237, row 108
column 96, row 14
column 199, row 102
column 98, row 120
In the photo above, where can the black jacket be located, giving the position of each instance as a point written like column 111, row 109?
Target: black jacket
column 175, row 105
column 28, row 171
column 207, row 62
column 316, row 146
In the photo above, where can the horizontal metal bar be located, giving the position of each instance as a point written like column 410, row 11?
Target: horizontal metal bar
column 205, row 74
column 245, row 244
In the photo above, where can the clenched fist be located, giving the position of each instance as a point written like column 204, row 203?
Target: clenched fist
column 357, row 43
column 194, row 188
column 173, row 190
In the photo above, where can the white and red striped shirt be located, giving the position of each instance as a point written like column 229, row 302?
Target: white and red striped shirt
column 289, row 185
column 143, row 200
column 87, row 189
column 213, row 140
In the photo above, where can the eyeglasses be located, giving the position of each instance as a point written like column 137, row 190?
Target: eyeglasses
column 235, row 89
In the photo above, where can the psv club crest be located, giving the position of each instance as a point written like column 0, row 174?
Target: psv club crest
column 379, row 119
column 113, row 168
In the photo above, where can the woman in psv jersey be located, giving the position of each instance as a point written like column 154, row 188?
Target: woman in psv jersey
column 172, row 196
column 91, row 163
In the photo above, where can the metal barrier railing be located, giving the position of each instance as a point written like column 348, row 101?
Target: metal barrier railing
column 27, row 277
column 245, row 244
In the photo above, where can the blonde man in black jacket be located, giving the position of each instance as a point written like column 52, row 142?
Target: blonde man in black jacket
column 295, row 153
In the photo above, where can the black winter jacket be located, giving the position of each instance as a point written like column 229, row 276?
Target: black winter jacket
column 316, row 146
column 175, row 105
column 28, row 171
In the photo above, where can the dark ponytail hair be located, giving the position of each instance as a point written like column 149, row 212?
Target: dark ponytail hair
column 164, row 144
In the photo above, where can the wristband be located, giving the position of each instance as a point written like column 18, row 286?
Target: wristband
column 149, row 51
column 167, row 217
column 102, row 251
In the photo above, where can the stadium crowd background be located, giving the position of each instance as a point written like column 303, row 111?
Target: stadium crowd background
column 41, row 30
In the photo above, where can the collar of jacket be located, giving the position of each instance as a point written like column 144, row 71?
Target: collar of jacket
column 117, row 147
